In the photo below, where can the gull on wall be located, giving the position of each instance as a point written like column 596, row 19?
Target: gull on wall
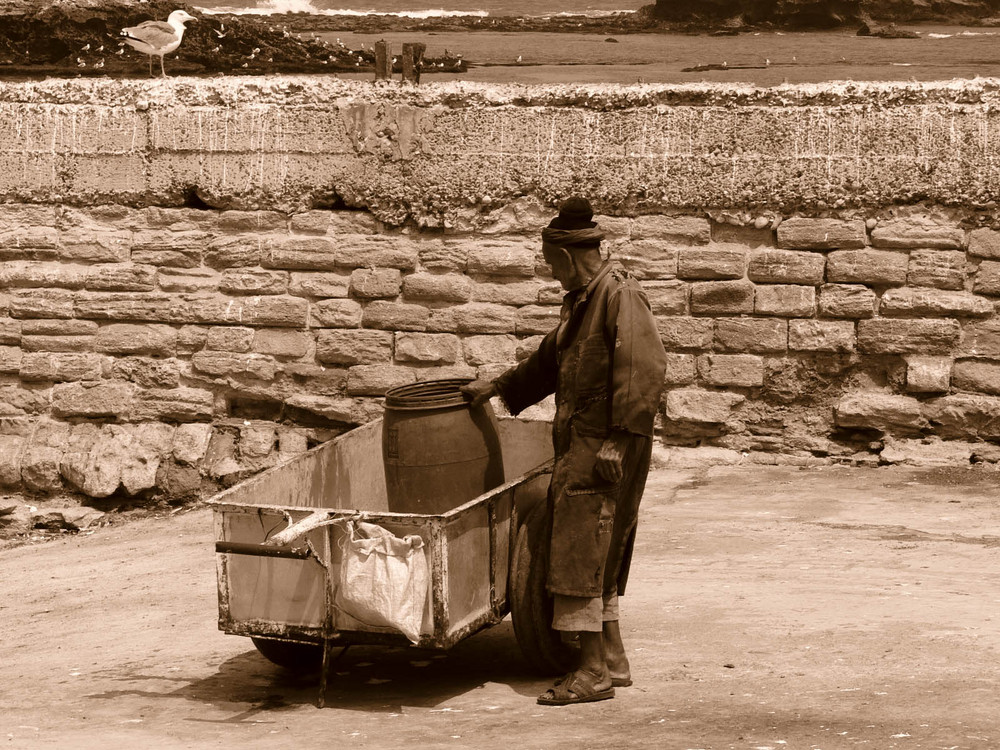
column 158, row 37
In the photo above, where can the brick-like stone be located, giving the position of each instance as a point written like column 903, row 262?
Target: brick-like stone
column 918, row 232
column 10, row 360
column 475, row 317
column 127, row 338
column 536, row 319
column 485, row 350
column 722, row 297
column 40, row 469
column 510, row 293
column 987, row 278
column 741, row 370
column 33, row 274
column 319, row 285
column 375, row 380
column 928, row 374
column 786, row 267
column 846, row 301
column 280, row 342
column 921, row 302
column 42, row 303
column 871, row 267
column 751, row 335
column 187, row 279
column 689, row 230
column 223, row 364
column 685, row 333
column 394, row 316
column 985, row 243
column 253, row 281
column 191, row 339
column 427, row 348
column 60, row 366
column 257, row 440
column 57, row 327
column 377, row 251
column 234, row 252
column 965, row 415
column 11, row 450
column 177, row 249
column 693, row 405
column 10, row 331
column 681, row 369
column 980, row 338
column 717, row 261
column 980, row 375
column 820, row 234
column 919, row 336
column 300, row 254
column 876, row 410
column 229, row 339
column 821, row 335
column 376, row 283
column 95, row 247
column 57, row 343
column 943, row 269
column 147, row 372
column 452, row 255
column 335, row 313
column 649, row 259
column 446, row 287
column 172, row 405
column 121, row 277
column 785, row 300
column 354, row 347
column 501, row 259
column 665, row 297
column 92, row 400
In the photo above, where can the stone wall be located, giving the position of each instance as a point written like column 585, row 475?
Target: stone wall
column 185, row 302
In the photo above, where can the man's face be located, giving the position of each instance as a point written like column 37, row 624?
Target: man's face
column 562, row 266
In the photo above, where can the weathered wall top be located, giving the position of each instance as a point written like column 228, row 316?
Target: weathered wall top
column 444, row 154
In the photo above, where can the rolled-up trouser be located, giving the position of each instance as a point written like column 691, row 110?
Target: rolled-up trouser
column 576, row 613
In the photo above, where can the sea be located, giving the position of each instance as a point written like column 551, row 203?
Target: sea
column 766, row 58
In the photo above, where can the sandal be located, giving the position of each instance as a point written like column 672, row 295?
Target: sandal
column 576, row 687
column 621, row 682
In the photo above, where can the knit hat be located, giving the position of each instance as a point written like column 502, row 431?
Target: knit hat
column 575, row 213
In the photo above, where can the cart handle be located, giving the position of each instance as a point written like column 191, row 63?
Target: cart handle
column 261, row 550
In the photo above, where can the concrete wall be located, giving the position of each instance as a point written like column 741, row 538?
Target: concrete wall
column 199, row 278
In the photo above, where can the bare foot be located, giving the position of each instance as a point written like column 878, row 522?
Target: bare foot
column 614, row 655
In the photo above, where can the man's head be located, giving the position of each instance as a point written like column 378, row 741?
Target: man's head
column 571, row 244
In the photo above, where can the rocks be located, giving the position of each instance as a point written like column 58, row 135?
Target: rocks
column 875, row 410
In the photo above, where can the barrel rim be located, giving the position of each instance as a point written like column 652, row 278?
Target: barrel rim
column 428, row 394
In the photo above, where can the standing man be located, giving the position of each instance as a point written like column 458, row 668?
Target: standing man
column 606, row 365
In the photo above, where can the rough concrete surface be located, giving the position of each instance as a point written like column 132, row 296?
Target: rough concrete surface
column 768, row 607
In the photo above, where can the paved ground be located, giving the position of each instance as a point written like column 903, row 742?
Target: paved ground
column 768, row 608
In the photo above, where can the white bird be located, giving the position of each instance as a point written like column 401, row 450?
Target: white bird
column 519, row 58
column 84, row 48
column 99, row 63
column 158, row 37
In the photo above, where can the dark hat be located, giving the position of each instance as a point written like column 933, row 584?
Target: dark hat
column 575, row 213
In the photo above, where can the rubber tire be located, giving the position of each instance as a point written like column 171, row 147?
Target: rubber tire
column 302, row 658
column 531, row 604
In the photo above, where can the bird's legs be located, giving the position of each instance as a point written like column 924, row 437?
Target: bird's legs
column 150, row 66
column 161, row 67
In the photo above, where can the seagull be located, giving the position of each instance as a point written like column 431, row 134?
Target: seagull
column 158, row 37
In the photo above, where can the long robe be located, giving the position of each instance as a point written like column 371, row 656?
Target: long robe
column 606, row 365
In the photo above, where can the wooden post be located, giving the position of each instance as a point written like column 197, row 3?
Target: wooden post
column 383, row 65
column 413, row 56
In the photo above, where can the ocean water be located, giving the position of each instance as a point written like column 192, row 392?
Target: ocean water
column 430, row 8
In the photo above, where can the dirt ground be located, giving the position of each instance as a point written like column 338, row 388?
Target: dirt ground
column 768, row 607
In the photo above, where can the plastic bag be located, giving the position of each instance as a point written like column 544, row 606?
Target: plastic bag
column 384, row 580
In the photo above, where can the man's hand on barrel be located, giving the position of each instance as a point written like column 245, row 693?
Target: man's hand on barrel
column 611, row 455
column 479, row 391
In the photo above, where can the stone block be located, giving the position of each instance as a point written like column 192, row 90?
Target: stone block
column 276, row 311
column 253, row 281
column 665, row 297
column 552, row 293
column 10, row 360
column 943, row 269
column 11, row 450
column 190, row 442
column 292, row 442
column 717, row 261
column 395, row 316
column 751, row 335
column 458, row 371
column 846, row 301
column 927, row 454
column 375, row 380
column 928, row 374
column 32, row 274
column 527, row 346
column 191, row 338
column 786, row 267
column 510, row 293
column 280, row 342
column 40, row 468
column 127, row 338
column 821, row 336
column 95, row 247
column 250, row 221
column 693, row 405
column 234, row 252
column 475, row 317
column 319, row 285
column 42, row 303
column 121, row 277
column 876, row 410
column 310, row 222
column 870, row 267
column 147, row 372
column 354, row 347
column 485, row 350
column 649, row 259
column 57, row 343
column 176, row 249
column 918, row 232
column 979, row 375
column 447, row 287
column 91, row 400
column 785, row 300
column 57, row 327
column 314, row 378
column 965, row 415
column 172, row 405
column 985, row 243
column 229, row 339
column 335, row 313
column 178, row 482
column 987, row 278
column 820, row 234
column 300, row 254
column 187, row 279
column 495, row 258
column 536, row 319
column 451, row 255
column 60, row 367
column 681, row 369
column 685, row 333
column 917, row 336
column 722, row 297
column 741, row 370
column 427, row 348
column 222, row 364
column 10, row 331
column 928, row 302
column 18, row 401
column 688, row 230
column 257, row 440
column 376, row 283
column 378, row 252
column 97, row 471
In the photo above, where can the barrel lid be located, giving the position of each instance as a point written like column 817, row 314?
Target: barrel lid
column 430, row 394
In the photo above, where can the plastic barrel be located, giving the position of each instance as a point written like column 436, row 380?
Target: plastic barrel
column 439, row 452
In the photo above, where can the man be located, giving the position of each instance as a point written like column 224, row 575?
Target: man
column 606, row 365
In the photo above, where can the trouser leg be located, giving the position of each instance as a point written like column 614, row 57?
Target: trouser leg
column 583, row 614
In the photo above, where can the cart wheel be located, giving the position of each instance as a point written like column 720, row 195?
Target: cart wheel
column 297, row 657
column 531, row 604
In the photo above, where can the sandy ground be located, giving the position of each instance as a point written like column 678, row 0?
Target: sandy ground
column 768, row 608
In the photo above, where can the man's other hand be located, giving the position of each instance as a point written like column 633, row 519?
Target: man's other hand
column 479, row 391
column 611, row 455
